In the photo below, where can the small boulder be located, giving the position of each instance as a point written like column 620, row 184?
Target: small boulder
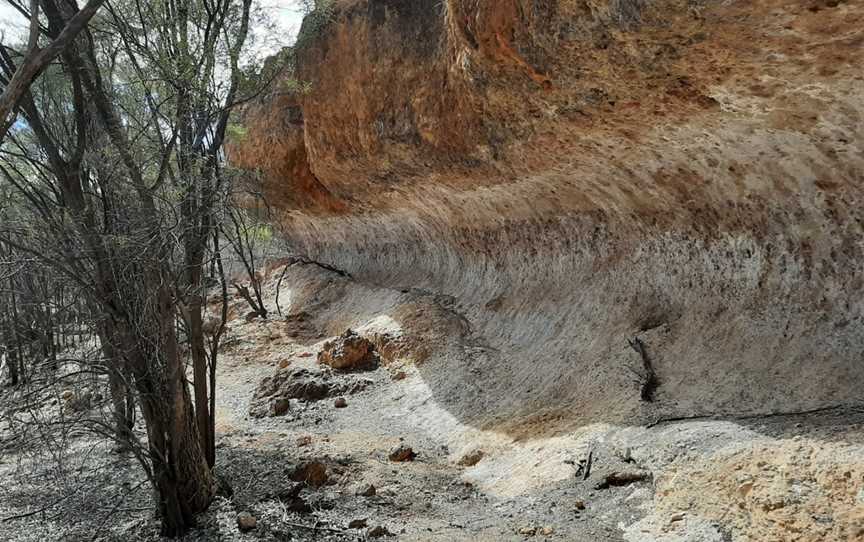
column 357, row 524
column 401, row 453
column 299, row 383
column 378, row 532
column 401, row 375
column 246, row 522
column 367, row 491
column 285, row 363
column 579, row 505
column 313, row 473
column 67, row 394
column 340, row 402
column 280, row 406
column 348, row 352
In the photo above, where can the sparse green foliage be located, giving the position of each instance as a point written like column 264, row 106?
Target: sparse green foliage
column 319, row 15
column 237, row 132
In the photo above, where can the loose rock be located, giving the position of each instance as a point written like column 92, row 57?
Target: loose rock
column 340, row 402
column 313, row 473
column 357, row 524
column 401, row 453
column 377, row 532
column 367, row 491
column 280, row 406
column 348, row 352
column 298, row 383
column 246, row 521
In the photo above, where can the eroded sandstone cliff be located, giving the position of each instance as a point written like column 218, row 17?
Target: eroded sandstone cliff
column 565, row 175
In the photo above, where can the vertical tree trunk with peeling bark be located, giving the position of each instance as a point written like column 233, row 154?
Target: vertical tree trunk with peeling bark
column 183, row 479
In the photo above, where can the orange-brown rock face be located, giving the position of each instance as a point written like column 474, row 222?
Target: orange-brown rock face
column 576, row 173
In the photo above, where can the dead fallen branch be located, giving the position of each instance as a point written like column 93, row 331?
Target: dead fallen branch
column 621, row 479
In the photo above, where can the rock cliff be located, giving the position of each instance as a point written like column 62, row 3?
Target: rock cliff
column 566, row 175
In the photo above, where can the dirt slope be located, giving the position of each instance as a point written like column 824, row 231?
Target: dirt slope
column 763, row 478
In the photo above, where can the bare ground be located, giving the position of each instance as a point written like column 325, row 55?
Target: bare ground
column 784, row 477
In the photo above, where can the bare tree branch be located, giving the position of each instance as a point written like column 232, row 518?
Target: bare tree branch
column 36, row 59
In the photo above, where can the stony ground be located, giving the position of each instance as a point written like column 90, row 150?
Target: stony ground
column 775, row 478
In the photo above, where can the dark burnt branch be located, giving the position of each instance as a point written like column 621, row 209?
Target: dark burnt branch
column 648, row 376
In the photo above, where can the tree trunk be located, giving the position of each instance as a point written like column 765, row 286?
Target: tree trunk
column 123, row 424
column 17, row 356
column 181, row 474
column 11, row 351
column 199, row 369
column 121, row 395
